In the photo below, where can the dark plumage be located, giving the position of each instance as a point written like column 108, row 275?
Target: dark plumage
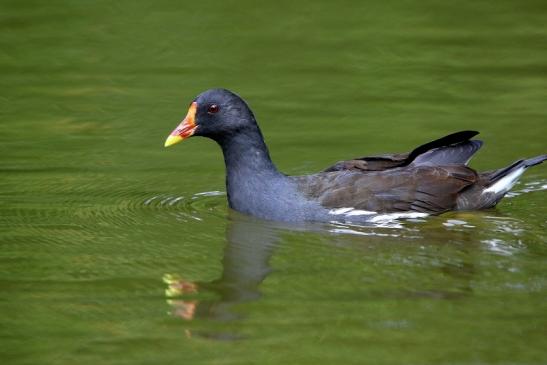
column 433, row 178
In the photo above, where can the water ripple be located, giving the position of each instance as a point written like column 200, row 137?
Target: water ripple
column 529, row 187
column 80, row 215
column 194, row 207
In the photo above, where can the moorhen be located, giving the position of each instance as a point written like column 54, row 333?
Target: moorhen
column 432, row 179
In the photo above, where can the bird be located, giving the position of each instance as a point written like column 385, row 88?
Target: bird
column 432, row 179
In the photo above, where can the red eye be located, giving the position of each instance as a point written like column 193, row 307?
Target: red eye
column 213, row 108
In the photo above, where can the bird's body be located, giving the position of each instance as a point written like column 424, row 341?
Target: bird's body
column 432, row 179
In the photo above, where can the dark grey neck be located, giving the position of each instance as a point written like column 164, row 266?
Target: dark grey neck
column 246, row 152
column 250, row 172
column 254, row 185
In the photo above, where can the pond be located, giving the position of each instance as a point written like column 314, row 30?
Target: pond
column 117, row 250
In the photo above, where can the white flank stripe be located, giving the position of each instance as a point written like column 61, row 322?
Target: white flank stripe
column 350, row 211
column 375, row 217
column 381, row 218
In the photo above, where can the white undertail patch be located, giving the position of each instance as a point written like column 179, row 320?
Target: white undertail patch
column 506, row 183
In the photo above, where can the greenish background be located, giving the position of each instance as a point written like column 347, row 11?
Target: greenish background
column 114, row 250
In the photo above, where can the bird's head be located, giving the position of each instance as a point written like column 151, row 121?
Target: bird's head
column 215, row 113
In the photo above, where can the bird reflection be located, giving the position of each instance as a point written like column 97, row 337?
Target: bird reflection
column 250, row 245
column 454, row 245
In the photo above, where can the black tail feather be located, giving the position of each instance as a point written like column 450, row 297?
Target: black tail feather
column 448, row 140
column 495, row 175
column 456, row 154
column 534, row 160
column 493, row 187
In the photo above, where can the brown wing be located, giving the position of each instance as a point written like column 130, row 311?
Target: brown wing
column 428, row 189
column 371, row 163
column 453, row 148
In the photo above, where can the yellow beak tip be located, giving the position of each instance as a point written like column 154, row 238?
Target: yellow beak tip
column 171, row 140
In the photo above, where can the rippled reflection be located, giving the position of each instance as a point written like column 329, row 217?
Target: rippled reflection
column 250, row 244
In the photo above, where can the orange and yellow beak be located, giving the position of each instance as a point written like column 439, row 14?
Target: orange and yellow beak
column 185, row 129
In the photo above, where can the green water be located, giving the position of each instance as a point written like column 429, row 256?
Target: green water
column 116, row 250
